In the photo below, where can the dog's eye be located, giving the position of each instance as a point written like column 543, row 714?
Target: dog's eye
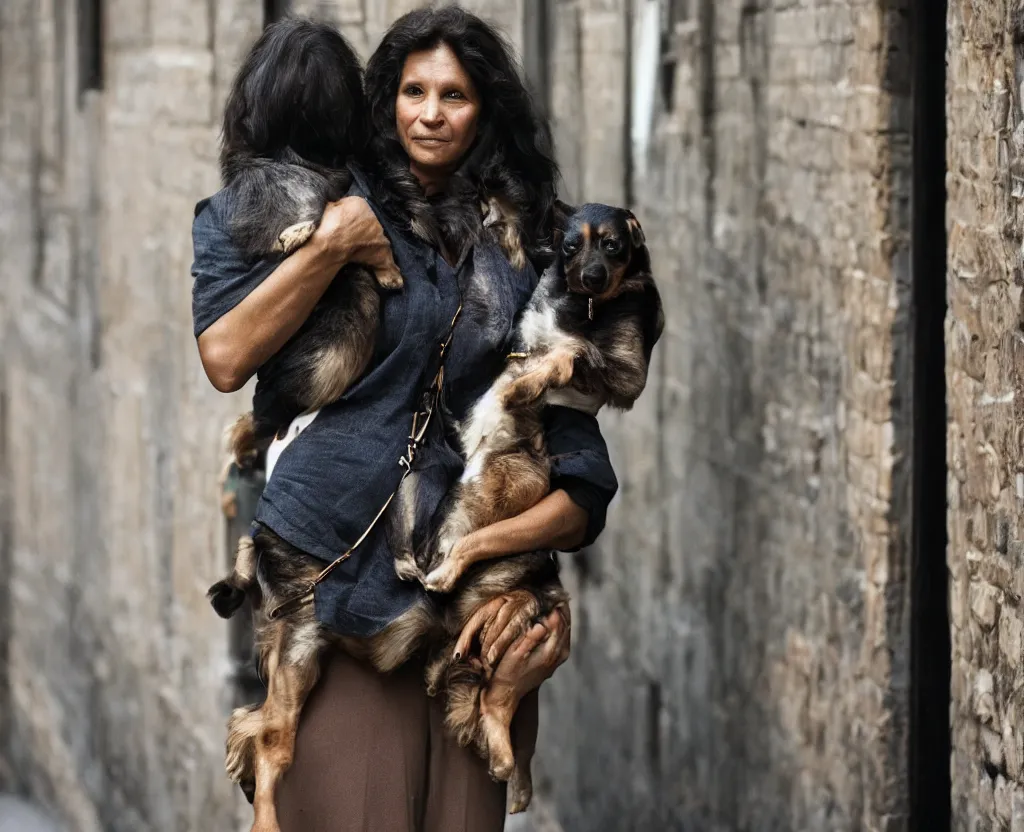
column 570, row 247
column 611, row 246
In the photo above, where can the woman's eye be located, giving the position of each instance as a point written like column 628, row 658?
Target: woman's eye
column 454, row 95
column 412, row 89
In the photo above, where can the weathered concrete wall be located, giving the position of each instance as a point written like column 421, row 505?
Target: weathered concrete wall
column 984, row 355
column 741, row 651
column 740, row 632
column 115, row 673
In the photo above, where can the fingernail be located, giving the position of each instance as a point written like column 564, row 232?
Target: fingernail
column 458, row 655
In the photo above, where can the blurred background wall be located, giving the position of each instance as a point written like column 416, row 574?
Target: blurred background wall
column 742, row 631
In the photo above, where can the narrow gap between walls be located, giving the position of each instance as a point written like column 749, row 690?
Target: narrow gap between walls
column 929, row 752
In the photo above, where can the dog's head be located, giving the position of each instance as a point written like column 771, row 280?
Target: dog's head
column 299, row 89
column 601, row 245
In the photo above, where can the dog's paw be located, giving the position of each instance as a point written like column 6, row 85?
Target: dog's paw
column 389, row 278
column 520, row 791
column 406, row 568
column 445, row 577
column 226, row 598
column 294, row 236
column 522, row 392
column 240, row 747
column 501, row 759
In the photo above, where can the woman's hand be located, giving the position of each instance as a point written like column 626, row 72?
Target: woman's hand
column 349, row 232
column 529, row 661
column 556, row 522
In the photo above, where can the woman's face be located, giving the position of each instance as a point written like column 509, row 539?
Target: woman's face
column 436, row 113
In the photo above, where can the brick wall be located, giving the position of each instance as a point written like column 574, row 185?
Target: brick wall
column 984, row 354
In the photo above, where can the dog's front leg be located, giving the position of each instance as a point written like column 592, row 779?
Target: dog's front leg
column 452, row 558
column 554, row 371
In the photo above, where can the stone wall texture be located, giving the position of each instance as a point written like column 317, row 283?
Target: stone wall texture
column 984, row 360
column 740, row 660
column 740, row 651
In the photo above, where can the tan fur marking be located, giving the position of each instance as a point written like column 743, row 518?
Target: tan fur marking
column 336, row 367
column 389, row 279
column 555, row 371
column 240, row 439
column 245, row 560
column 294, row 236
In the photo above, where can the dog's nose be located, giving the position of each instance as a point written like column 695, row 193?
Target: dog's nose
column 595, row 278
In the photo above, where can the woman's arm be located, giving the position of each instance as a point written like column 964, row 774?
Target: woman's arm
column 237, row 343
column 572, row 515
column 556, row 522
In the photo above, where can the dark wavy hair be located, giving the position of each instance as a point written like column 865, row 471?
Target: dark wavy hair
column 299, row 91
column 510, row 158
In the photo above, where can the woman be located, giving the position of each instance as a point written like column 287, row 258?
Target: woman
column 452, row 125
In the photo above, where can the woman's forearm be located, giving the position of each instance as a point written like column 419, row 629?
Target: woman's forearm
column 556, row 522
column 234, row 346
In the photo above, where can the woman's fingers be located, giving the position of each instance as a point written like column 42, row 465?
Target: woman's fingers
column 529, row 641
column 479, row 618
column 508, row 625
column 507, row 634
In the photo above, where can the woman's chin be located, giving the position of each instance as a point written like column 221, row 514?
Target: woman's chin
column 433, row 162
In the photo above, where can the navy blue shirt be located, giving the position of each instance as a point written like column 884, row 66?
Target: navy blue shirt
column 332, row 479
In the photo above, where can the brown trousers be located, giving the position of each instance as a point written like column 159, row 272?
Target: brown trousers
column 372, row 755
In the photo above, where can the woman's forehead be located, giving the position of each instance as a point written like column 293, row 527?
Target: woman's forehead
column 439, row 62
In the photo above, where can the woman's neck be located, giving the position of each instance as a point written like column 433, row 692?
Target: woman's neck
column 433, row 182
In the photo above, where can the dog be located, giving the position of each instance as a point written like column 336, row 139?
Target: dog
column 294, row 118
column 584, row 340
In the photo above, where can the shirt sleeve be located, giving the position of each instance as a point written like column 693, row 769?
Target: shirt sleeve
column 580, row 464
column 222, row 276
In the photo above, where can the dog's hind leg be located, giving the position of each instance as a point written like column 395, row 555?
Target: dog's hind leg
column 240, row 759
column 524, row 741
column 293, row 668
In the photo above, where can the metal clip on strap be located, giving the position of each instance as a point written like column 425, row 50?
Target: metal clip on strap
column 416, row 434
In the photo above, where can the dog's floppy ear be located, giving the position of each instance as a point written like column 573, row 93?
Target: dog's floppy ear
column 562, row 211
column 636, row 233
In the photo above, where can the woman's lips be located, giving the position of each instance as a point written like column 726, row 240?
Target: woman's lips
column 430, row 141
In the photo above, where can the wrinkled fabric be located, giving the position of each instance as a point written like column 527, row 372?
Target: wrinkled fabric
column 332, row 479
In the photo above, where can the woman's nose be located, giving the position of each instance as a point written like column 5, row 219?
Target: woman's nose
column 431, row 112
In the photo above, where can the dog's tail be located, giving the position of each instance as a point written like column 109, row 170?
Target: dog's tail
column 227, row 595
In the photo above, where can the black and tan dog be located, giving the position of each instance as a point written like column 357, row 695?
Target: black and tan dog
column 295, row 116
column 584, row 340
